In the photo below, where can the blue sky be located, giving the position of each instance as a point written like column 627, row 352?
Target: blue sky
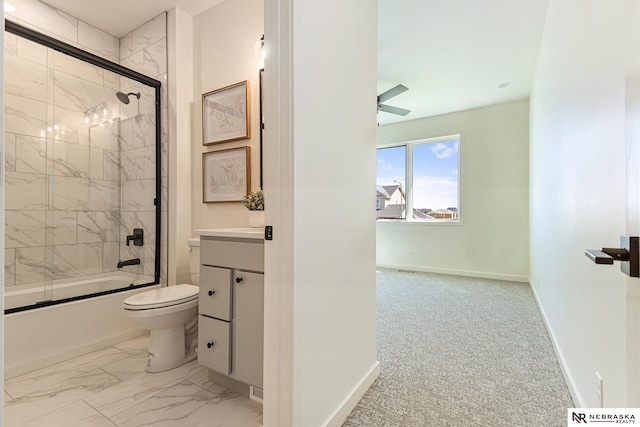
column 435, row 179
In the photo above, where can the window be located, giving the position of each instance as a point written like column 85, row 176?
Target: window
column 421, row 178
column 390, row 182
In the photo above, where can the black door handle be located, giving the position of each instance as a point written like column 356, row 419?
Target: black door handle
column 628, row 254
column 607, row 255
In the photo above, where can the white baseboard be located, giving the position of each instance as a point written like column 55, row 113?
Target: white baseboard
column 568, row 378
column 342, row 412
column 466, row 273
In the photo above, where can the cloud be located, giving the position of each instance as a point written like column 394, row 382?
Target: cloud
column 384, row 165
column 435, row 192
column 444, row 151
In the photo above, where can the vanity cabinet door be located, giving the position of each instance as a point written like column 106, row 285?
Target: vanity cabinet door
column 214, row 344
column 248, row 327
column 215, row 292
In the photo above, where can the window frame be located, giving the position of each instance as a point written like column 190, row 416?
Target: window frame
column 409, row 179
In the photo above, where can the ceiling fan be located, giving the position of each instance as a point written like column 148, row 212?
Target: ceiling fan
column 394, row 91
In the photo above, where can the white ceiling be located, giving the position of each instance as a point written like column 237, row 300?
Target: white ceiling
column 451, row 54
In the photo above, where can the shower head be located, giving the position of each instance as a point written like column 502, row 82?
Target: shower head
column 124, row 97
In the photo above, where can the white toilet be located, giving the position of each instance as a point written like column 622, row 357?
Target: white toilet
column 171, row 313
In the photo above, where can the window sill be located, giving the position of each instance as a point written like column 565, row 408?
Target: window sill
column 418, row 222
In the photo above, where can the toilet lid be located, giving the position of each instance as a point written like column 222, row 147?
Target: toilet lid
column 163, row 297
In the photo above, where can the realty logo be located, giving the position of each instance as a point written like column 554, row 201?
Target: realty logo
column 579, row 418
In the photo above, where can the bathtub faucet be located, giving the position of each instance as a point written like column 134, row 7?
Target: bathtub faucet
column 134, row 261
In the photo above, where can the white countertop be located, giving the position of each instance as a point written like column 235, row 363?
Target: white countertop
column 238, row 233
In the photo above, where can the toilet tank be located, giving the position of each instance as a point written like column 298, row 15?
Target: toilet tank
column 194, row 260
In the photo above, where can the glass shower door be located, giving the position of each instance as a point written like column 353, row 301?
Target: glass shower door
column 26, row 170
column 81, row 145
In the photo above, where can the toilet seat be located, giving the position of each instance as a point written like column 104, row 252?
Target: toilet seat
column 163, row 297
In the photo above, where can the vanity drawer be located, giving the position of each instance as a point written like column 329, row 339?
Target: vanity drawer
column 215, row 292
column 214, row 344
column 247, row 255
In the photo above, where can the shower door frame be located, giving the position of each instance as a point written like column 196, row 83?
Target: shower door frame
column 90, row 58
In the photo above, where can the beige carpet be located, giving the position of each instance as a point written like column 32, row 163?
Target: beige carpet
column 459, row 351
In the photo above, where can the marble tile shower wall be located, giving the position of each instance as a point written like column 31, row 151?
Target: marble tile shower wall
column 62, row 26
column 144, row 50
column 62, row 174
column 53, row 175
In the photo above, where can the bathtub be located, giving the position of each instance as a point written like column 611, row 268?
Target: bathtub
column 63, row 289
column 40, row 337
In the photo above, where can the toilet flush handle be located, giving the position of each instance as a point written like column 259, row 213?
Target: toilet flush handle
column 211, row 292
column 210, row 344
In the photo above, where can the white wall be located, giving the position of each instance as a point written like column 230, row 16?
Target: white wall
column 180, row 103
column 333, row 127
column 578, row 190
column 224, row 37
column 330, row 358
column 632, row 155
column 2, row 183
column 492, row 238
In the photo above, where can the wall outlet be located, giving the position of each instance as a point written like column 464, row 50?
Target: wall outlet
column 410, row 254
column 599, row 390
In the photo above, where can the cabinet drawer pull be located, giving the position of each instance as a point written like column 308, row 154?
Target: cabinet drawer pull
column 211, row 293
column 210, row 344
column 238, row 279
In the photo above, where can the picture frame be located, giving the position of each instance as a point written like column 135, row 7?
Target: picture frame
column 226, row 175
column 226, row 114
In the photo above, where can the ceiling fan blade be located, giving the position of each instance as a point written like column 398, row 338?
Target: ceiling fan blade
column 393, row 110
column 394, row 91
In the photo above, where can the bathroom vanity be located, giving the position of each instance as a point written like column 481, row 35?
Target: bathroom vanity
column 231, row 305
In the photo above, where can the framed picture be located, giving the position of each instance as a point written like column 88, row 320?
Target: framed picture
column 226, row 114
column 226, row 175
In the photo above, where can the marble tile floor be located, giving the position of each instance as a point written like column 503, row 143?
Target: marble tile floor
column 109, row 387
